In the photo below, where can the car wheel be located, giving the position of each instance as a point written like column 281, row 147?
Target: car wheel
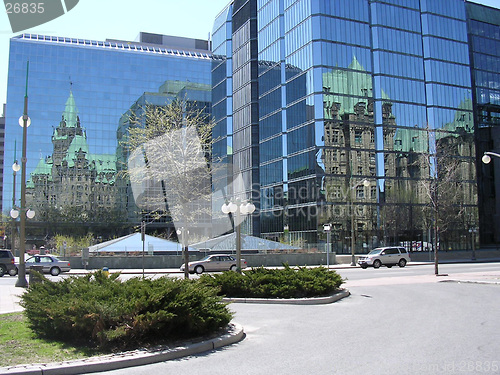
column 233, row 268
column 377, row 264
column 402, row 262
column 364, row 266
column 199, row 270
column 389, row 265
column 3, row 270
column 54, row 271
column 13, row 272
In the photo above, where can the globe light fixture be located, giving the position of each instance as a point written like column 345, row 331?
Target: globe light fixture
column 238, row 209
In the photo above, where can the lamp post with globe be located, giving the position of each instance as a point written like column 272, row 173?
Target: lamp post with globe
column 238, row 209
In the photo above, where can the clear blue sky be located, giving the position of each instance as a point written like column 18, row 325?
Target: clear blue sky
column 118, row 19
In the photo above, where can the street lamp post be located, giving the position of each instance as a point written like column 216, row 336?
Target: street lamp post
column 328, row 229
column 365, row 183
column 238, row 209
column 24, row 121
column 473, row 232
column 15, row 168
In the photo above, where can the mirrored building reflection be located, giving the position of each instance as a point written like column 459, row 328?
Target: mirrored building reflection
column 79, row 93
column 365, row 118
column 369, row 115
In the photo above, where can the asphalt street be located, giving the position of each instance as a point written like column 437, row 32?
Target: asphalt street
column 410, row 325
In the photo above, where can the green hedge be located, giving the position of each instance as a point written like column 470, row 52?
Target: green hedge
column 100, row 310
column 288, row 282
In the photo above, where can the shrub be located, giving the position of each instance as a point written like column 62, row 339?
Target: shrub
column 288, row 282
column 99, row 310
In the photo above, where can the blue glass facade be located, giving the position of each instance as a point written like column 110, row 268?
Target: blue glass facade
column 484, row 39
column 79, row 91
column 348, row 112
column 352, row 91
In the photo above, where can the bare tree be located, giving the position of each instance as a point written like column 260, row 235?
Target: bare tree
column 169, row 163
column 447, row 198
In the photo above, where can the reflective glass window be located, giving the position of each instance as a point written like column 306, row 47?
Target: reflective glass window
column 270, row 126
column 448, row 96
column 345, row 56
column 270, row 102
column 402, row 90
column 398, row 65
column 301, row 165
column 448, row 73
column 271, row 149
column 344, row 31
column 396, row 17
column 352, row 9
column 444, row 27
column 447, row 50
column 397, row 40
column 300, row 139
column 271, row 173
column 449, row 8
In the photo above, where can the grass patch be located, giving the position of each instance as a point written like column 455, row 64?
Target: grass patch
column 19, row 345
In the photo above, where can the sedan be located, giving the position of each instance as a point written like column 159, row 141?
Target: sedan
column 50, row 264
column 216, row 262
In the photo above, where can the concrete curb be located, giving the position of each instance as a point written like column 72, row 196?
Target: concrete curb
column 293, row 301
column 471, row 282
column 138, row 357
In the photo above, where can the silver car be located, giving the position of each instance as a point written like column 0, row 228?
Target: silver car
column 215, row 262
column 50, row 264
column 385, row 256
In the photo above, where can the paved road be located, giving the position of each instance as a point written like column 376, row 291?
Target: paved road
column 411, row 325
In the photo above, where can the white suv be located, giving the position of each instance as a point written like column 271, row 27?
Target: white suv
column 385, row 256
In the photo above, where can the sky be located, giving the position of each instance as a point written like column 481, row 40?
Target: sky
column 123, row 20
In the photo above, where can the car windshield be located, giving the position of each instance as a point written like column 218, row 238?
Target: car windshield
column 206, row 258
column 375, row 252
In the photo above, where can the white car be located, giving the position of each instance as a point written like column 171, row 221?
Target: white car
column 215, row 262
column 50, row 264
column 385, row 256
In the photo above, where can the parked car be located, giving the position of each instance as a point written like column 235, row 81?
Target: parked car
column 215, row 262
column 385, row 256
column 7, row 263
column 50, row 264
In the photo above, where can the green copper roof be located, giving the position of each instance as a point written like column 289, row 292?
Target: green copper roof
column 44, row 168
column 70, row 114
column 78, row 144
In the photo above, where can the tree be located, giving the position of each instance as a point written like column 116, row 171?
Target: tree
column 168, row 156
column 450, row 188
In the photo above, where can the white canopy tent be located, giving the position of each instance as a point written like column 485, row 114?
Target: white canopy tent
column 134, row 244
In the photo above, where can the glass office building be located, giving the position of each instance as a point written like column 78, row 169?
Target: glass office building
column 363, row 111
column 79, row 92
column 484, row 39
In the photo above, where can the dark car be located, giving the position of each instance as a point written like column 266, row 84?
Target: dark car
column 7, row 263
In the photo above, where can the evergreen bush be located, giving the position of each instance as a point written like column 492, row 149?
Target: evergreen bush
column 300, row 282
column 100, row 310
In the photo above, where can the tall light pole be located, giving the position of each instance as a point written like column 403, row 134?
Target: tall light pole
column 365, row 183
column 473, row 232
column 15, row 168
column 24, row 121
column 238, row 209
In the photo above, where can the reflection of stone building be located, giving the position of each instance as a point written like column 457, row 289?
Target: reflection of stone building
column 72, row 177
column 349, row 155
